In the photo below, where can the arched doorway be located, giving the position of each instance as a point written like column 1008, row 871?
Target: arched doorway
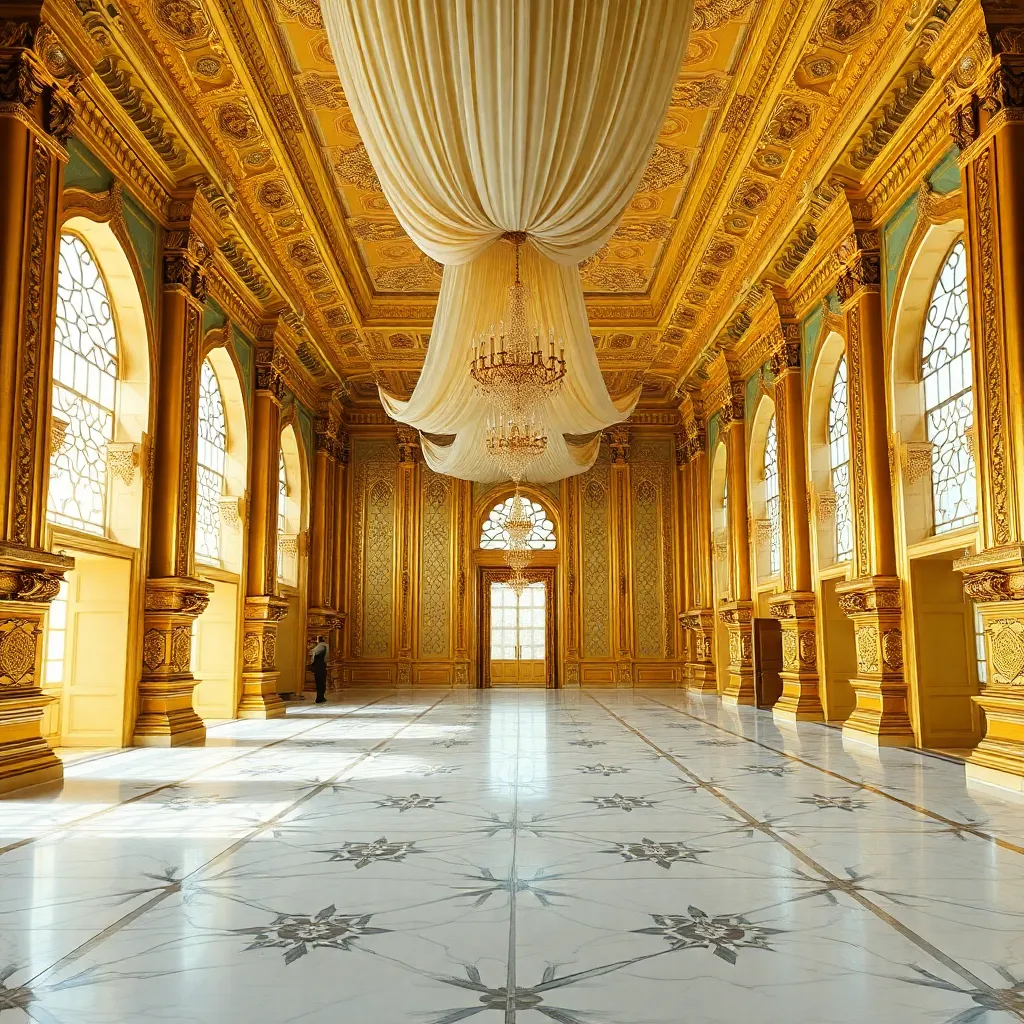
column 828, row 459
column 100, row 415
column 517, row 632
column 221, row 482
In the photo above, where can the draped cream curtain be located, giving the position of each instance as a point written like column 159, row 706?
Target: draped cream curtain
column 487, row 116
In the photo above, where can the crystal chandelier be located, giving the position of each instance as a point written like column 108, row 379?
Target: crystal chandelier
column 518, row 582
column 515, row 368
column 517, row 523
column 515, row 445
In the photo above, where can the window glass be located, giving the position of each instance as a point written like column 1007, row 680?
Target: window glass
column 212, row 457
column 84, row 385
column 839, row 461
column 494, row 536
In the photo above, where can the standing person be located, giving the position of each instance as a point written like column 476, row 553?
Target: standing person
column 318, row 664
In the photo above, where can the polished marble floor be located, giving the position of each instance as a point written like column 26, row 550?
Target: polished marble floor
column 605, row 857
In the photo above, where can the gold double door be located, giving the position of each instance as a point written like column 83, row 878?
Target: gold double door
column 518, row 635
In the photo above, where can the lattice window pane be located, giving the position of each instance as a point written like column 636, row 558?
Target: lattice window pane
column 839, row 461
column 494, row 536
column 212, row 458
column 282, row 505
column 948, row 398
column 84, row 386
column 771, row 499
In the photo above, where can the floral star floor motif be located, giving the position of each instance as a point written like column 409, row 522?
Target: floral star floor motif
column 432, row 857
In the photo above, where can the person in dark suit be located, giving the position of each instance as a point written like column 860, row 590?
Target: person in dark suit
column 318, row 663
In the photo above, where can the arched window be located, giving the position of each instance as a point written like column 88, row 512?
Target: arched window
column 494, row 536
column 839, row 461
column 948, row 399
column 84, row 388
column 282, row 504
column 212, row 458
column 771, row 499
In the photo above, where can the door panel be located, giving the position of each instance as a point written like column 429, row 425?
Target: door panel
column 767, row 662
column 518, row 635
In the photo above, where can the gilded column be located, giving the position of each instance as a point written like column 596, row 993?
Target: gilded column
column 571, row 565
column 871, row 598
column 264, row 607
column 408, row 550
column 987, row 123
column 339, row 560
column 320, row 609
column 794, row 608
column 464, row 677
column 622, row 561
column 36, row 117
column 738, row 614
column 699, row 618
column 175, row 596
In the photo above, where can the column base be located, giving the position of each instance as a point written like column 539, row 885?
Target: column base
column 166, row 717
column 880, row 717
column 995, row 781
column 800, row 700
column 998, row 760
column 700, row 672
column 260, row 698
column 25, row 757
column 29, row 580
column 701, row 678
column 738, row 618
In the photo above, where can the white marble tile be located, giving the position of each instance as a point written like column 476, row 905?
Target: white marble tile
column 621, row 857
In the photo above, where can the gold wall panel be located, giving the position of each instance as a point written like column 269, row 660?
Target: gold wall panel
column 595, row 565
column 435, row 565
column 650, row 485
column 376, row 464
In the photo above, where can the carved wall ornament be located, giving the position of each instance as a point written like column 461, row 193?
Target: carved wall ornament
column 846, row 22
column 59, row 440
column 916, row 460
column 154, row 648
column 18, row 639
column 236, row 121
column 826, row 507
column 883, row 128
column 232, row 512
column 866, row 640
column 762, row 529
column 353, row 167
column 711, row 14
column 987, row 585
column 1006, row 651
column 122, row 459
column 667, row 166
column 808, row 648
column 790, row 122
column 698, row 93
column 892, row 649
column 186, row 19
column 790, row 656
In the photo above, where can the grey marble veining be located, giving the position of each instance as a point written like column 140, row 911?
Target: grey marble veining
column 605, row 857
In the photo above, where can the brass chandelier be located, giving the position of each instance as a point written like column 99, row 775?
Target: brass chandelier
column 518, row 526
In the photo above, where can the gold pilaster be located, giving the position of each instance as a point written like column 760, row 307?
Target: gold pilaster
column 321, row 611
column 264, row 608
column 175, row 597
column 699, row 618
column 339, row 560
column 738, row 614
column 571, row 567
column 872, row 598
column 37, row 73
column 987, row 123
column 622, row 554
column 408, row 512
column 794, row 608
column 462, row 611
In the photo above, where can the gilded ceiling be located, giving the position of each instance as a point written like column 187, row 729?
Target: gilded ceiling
column 774, row 99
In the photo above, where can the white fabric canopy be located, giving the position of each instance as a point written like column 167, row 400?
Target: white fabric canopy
column 482, row 117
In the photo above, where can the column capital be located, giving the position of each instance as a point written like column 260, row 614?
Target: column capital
column 859, row 256
column 38, row 75
column 189, row 242
column 408, row 441
column 271, row 365
column 618, row 442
